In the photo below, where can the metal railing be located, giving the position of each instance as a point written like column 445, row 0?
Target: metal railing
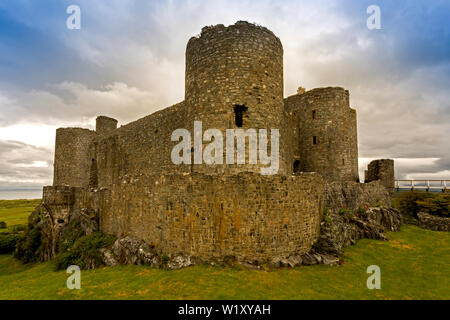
column 427, row 185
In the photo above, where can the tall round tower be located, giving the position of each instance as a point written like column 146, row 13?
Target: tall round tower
column 327, row 133
column 234, row 79
column 73, row 157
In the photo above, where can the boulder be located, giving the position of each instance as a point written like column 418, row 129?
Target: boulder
column 108, row 257
column 131, row 250
column 179, row 262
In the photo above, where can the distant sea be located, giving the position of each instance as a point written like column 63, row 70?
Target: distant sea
column 15, row 194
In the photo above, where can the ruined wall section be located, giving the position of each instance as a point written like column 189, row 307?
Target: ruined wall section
column 383, row 170
column 240, row 66
column 209, row 216
column 352, row 195
column 327, row 133
column 140, row 147
column 105, row 125
column 73, row 157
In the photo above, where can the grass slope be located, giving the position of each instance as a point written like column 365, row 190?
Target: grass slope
column 16, row 212
column 415, row 264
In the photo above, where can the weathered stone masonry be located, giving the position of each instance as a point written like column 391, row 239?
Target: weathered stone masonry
column 248, row 216
column 234, row 79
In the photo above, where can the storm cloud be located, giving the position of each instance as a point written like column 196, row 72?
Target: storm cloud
column 127, row 61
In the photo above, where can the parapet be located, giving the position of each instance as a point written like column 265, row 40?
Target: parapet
column 105, row 125
column 338, row 95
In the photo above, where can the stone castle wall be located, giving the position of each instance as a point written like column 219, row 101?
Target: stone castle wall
column 140, row 147
column 248, row 216
column 327, row 133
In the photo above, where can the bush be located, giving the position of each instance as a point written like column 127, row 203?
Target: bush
column 439, row 205
column 29, row 246
column 411, row 203
column 8, row 243
column 3, row 225
column 379, row 203
column 84, row 252
column 19, row 228
column 361, row 210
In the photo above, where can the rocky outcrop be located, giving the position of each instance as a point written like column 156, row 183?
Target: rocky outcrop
column 435, row 223
column 341, row 230
column 131, row 250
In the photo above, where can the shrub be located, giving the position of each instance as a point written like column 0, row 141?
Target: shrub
column 84, row 251
column 8, row 243
column 361, row 210
column 165, row 259
column 29, row 246
column 3, row 225
column 439, row 205
column 379, row 203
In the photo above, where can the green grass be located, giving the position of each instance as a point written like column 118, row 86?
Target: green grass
column 16, row 212
column 415, row 264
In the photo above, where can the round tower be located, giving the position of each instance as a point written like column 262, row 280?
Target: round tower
column 234, row 79
column 327, row 134
column 73, row 157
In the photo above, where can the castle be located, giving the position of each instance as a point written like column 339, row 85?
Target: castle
column 234, row 79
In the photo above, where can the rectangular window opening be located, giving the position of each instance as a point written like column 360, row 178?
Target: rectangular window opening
column 296, row 166
column 239, row 112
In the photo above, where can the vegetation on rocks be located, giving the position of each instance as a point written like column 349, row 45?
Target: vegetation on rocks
column 84, row 251
column 411, row 203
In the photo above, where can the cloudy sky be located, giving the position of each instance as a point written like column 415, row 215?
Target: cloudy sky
column 127, row 61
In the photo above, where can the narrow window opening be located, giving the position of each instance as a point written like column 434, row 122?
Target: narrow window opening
column 314, row 114
column 296, row 166
column 239, row 112
column 314, row 140
column 343, row 161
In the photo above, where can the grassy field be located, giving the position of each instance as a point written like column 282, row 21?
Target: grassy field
column 16, row 212
column 415, row 264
